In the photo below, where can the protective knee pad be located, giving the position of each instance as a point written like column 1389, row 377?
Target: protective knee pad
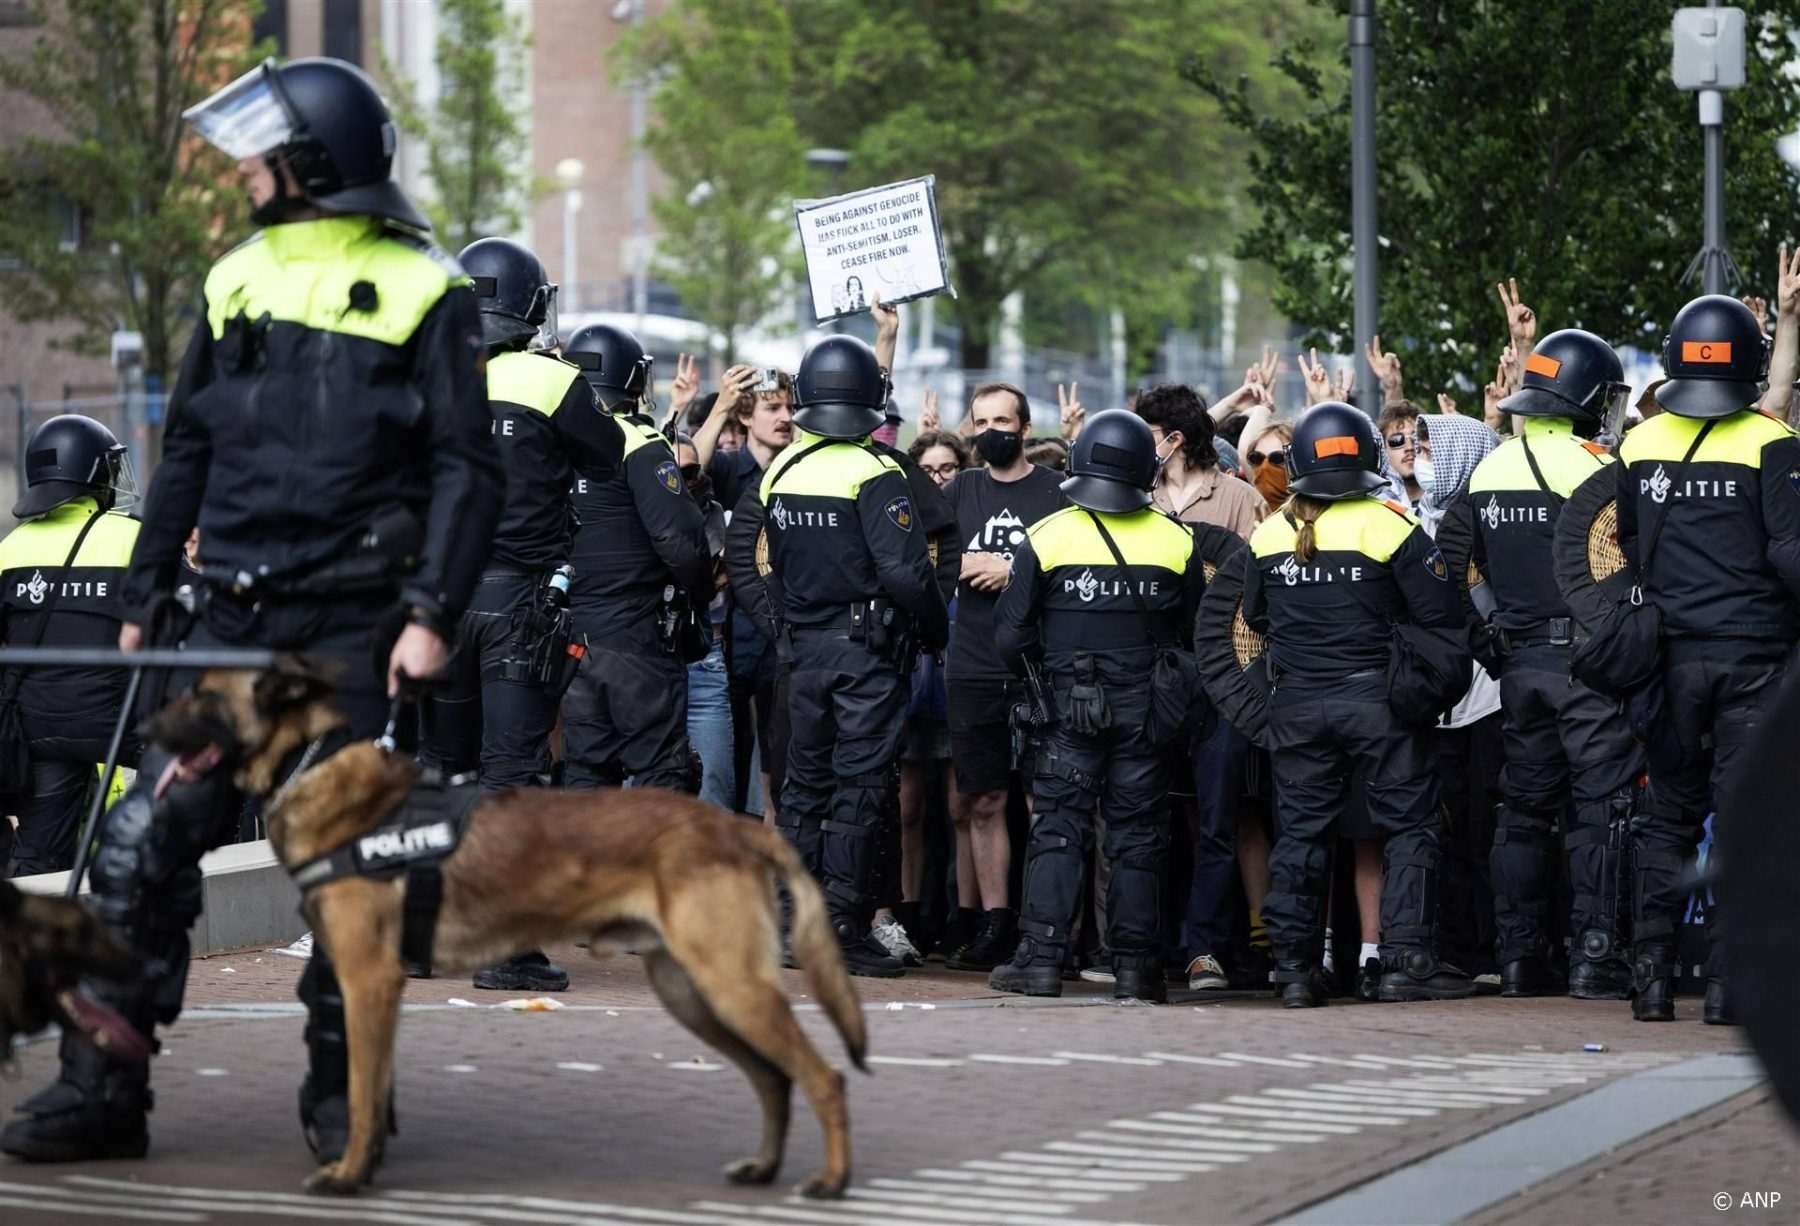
column 1134, row 900
column 1412, row 866
column 328, row 1053
column 1055, row 858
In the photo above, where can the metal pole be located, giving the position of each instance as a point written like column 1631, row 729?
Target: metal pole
column 1362, row 193
column 85, row 848
column 640, row 205
column 571, row 266
column 1713, row 274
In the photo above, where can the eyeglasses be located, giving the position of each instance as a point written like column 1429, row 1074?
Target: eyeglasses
column 1258, row 458
column 1398, row 441
column 690, row 473
column 941, row 470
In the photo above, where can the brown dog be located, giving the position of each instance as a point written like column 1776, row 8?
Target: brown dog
column 690, row 888
column 46, row 946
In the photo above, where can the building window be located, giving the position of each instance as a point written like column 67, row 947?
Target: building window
column 343, row 30
column 272, row 22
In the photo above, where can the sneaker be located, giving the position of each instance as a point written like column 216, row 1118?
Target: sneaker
column 1487, row 983
column 526, row 972
column 892, row 937
column 1205, row 974
column 301, row 948
column 1098, row 974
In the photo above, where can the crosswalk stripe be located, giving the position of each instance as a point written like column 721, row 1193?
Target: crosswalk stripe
column 1306, row 1111
column 1185, row 1145
column 114, row 1212
column 1367, row 1064
column 916, row 1061
column 1066, row 1166
column 1277, row 1061
column 1452, row 1085
column 1173, row 1161
column 1084, row 1196
column 1138, row 1168
column 1177, row 1058
column 1436, row 1062
column 1102, row 1058
column 991, row 1058
column 1424, row 1098
column 1313, row 1100
column 1278, row 1118
column 1007, row 1175
column 1223, row 1134
column 959, row 1198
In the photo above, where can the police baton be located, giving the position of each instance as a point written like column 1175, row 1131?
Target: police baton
column 138, row 662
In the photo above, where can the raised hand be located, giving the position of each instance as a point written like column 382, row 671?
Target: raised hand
column 1386, row 367
column 928, row 412
column 1759, row 307
column 1510, row 374
column 1521, row 320
column 687, row 384
column 1787, row 289
column 887, row 317
column 1268, row 368
column 734, row 389
column 1343, row 384
column 1316, row 377
column 1446, row 405
column 1069, row 411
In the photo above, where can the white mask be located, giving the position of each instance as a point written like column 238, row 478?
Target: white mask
column 1424, row 473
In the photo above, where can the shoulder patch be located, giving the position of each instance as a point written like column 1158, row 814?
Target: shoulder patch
column 669, row 476
column 1434, row 562
column 900, row 511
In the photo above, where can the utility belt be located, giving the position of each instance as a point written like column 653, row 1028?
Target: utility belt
column 387, row 549
column 889, row 633
column 1552, row 632
column 682, row 629
column 542, row 648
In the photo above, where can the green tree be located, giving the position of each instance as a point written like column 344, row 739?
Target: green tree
column 1540, row 141
column 475, row 149
column 157, row 205
column 728, row 146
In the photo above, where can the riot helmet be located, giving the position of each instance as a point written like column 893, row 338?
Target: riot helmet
column 1112, row 464
column 516, row 297
column 1715, row 356
column 323, row 119
column 840, row 390
column 1577, row 375
column 71, row 457
column 1333, row 454
column 614, row 363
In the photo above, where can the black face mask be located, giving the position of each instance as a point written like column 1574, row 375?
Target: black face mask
column 1000, row 447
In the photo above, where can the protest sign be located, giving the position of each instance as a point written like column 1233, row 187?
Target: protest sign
column 883, row 240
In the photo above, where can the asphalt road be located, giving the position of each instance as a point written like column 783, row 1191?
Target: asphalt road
column 979, row 1111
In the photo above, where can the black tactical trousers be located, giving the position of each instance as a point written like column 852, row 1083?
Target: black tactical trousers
column 1565, row 746
column 146, row 881
column 1116, row 775
column 1715, row 698
column 846, row 712
column 625, row 717
column 483, row 721
column 63, row 762
column 1319, row 734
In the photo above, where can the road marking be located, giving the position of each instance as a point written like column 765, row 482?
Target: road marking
column 1223, row 1134
column 998, row 1059
column 987, row 1176
column 960, row 1198
column 1368, row 1064
column 1314, row 1100
column 1183, row 1144
column 916, row 1061
column 1277, row 1061
column 1172, row 1161
column 578, row 1066
column 1303, row 1111
column 1138, row 1168
column 1285, row 1127
column 1065, row 1166
column 1083, row 1196
column 694, row 1066
column 1276, row 1118
column 1424, row 1098
column 1100, row 1058
column 461, row 1068
column 1433, row 1062
column 212, row 1072
column 111, row 1211
column 1452, row 1084
column 129, row 1204
column 799, row 1209
column 1180, row 1059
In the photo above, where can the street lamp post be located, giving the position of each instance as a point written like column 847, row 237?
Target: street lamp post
column 569, row 172
column 1363, row 233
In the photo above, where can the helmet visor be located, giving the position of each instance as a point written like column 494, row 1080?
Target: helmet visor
column 122, row 479
column 247, row 118
column 544, row 315
column 1611, row 405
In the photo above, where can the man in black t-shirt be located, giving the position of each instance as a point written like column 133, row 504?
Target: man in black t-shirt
column 994, row 506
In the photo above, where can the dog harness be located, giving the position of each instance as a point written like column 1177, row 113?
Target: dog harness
column 414, row 842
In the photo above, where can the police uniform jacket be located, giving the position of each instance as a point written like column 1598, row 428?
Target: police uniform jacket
column 1510, row 520
column 937, row 518
column 1333, row 615
column 640, row 530
column 549, row 426
column 335, row 372
column 843, row 531
column 1067, row 595
column 1726, row 565
column 85, row 612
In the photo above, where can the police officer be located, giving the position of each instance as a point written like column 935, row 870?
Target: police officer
column 853, row 580
column 1568, row 748
column 643, row 579
column 1709, row 517
column 1328, row 577
column 60, row 572
column 329, row 435
column 512, row 645
column 1069, row 608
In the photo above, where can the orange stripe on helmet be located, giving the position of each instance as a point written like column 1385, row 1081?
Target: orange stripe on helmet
column 1540, row 364
column 1706, row 352
column 1340, row 444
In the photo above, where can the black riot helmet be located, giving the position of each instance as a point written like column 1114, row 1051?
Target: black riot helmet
column 1715, row 356
column 1112, row 464
column 1573, row 374
column 71, row 457
column 515, row 295
column 1332, row 456
column 613, row 362
column 840, row 390
column 322, row 118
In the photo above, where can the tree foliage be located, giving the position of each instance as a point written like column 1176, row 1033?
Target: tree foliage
column 1542, row 141
column 157, row 204
column 729, row 147
column 476, row 154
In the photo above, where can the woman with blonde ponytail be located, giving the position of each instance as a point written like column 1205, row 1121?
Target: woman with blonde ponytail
column 1329, row 578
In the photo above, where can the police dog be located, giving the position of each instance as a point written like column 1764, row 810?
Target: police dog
column 46, row 946
column 690, row 888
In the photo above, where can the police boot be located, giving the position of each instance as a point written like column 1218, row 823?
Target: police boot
column 992, row 945
column 962, row 929
column 94, row 1110
column 1035, row 968
column 1717, row 1010
column 1417, row 974
column 863, row 954
column 1139, row 979
column 1301, row 983
column 1653, row 974
column 1599, row 970
column 1527, row 976
column 527, row 972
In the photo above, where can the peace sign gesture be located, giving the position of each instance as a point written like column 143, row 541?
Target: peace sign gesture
column 1069, row 411
column 1787, row 290
column 928, row 412
column 1521, row 320
column 1387, row 369
column 687, row 384
column 1317, row 378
